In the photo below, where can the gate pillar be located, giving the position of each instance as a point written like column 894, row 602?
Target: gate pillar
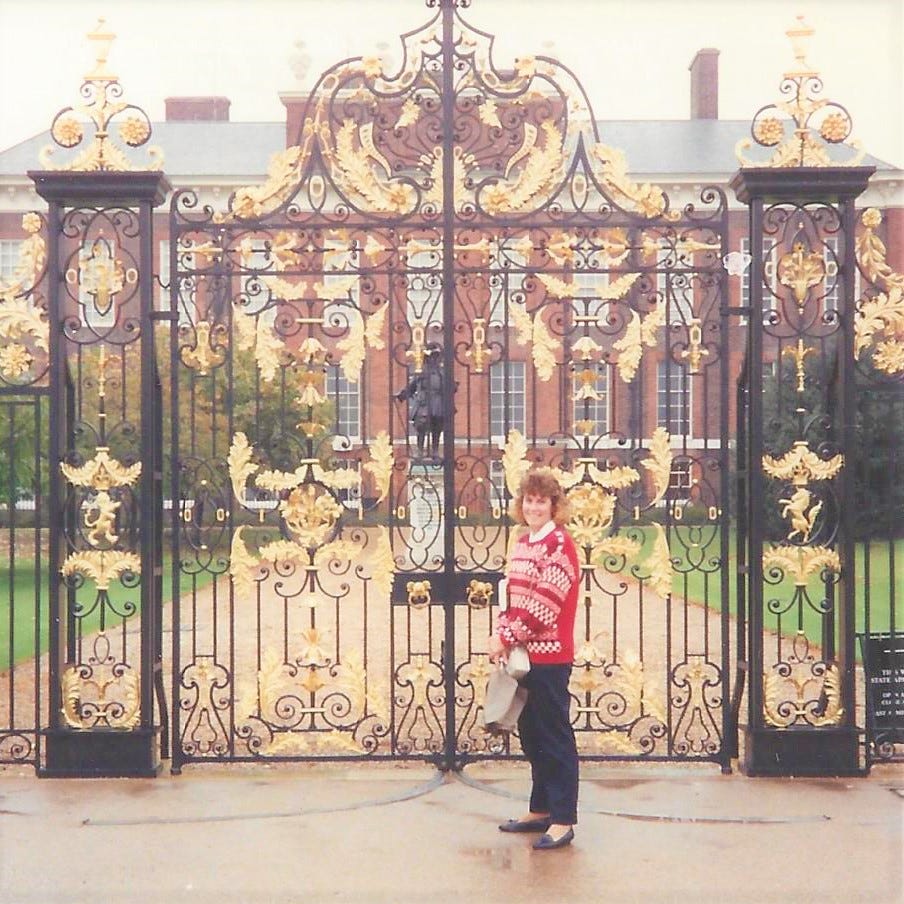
column 798, row 469
column 105, row 486
column 796, row 431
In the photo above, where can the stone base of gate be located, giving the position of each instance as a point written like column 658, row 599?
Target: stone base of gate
column 101, row 753
column 822, row 752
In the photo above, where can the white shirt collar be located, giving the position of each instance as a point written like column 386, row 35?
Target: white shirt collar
column 544, row 531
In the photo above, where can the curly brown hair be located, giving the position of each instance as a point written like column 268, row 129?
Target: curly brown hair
column 542, row 482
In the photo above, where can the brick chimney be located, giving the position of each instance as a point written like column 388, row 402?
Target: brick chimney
column 295, row 103
column 704, row 69
column 204, row 109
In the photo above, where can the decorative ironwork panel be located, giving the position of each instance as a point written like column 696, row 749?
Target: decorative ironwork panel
column 879, row 479
column 448, row 278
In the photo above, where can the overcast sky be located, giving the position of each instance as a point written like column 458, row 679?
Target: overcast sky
column 631, row 55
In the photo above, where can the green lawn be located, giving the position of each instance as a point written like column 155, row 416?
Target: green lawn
column 18, row 644
column 704, row 588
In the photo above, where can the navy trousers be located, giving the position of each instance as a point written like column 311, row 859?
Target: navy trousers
column 547, row 740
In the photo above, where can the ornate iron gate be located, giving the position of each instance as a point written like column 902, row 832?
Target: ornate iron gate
column 463, row 227
column 447, row 280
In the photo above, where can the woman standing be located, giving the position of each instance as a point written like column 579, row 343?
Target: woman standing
column 542, row 599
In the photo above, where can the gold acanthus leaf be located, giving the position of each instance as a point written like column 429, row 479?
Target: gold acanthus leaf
column 544, row 349
column 562, row 249
column 283, row 174
column 241, row 466
column 611, row 478
column 800, row 465
column 32, row 256
column 337, row 551
column 647, row 199
column 630, row 349
column 19, row 318
column 363, row 331
column 353, row 171
column 522, row 321
column 488, row 114
column 101, row 472
column 660, row 564
column 383, row 564
column 284, row 551
column 638, row 333
column 101, row 566
column 351, row 348
column 244, row 329
column 380, row 464
column 616, row 246
column 277, row 481
column 514, row 461
column 831, row 689
column 615, row 547
column 338, row 479
column 802, row 562
column 558, row 288
column 618, row 288
column 267, row 348
column 871, row 253
column 539, row 175
column 533, row 331
column 409, row 114
column 659, row 462
column 889, row 356
column 242, row 565
column 880, row 316
column 334, row 289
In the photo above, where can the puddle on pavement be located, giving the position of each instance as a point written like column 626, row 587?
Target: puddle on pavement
column 520, row 858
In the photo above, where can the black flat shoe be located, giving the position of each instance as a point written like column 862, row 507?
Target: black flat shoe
column 527, row 825
column 548, row 843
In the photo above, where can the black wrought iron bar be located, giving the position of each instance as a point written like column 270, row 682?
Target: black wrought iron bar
column 449, row 513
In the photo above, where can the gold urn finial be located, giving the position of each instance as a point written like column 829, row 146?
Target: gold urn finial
column 102, row 104
column 800, row 35
column 799, row 128
column 103, row 40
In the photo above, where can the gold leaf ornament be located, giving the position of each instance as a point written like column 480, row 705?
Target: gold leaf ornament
column 241, row 465
column 380, row 464
column 638, row 334
column 659, row 462
column 514, row 461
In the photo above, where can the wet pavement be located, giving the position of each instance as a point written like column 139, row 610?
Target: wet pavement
column 399, row 834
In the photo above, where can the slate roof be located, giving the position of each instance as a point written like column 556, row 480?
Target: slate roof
column 243, row 149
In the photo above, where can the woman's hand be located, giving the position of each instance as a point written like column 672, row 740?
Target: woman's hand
column 495, row 648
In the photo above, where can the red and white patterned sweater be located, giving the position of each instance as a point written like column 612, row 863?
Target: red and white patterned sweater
column 543, row 590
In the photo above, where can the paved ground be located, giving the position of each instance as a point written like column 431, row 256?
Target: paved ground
column 394, row 834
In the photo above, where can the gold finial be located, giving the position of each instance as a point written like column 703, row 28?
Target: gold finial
column 102, row 95
column 800, row 35
column 802, row 125
column 103, row 40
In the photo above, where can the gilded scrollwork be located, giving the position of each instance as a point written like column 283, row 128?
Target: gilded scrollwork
column 805, row 692
column 813, row 123
column 102, row 91
column 103, row 694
